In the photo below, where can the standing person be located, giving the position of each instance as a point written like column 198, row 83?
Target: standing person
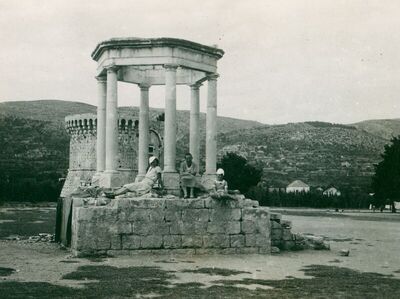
column 188, row 171
column 152, row 176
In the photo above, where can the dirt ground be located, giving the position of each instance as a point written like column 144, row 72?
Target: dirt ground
column 372, row 270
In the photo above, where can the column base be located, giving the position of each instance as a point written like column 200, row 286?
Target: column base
column 171, row 183
column 111, row 179
column 208, row 179
column 96, row 178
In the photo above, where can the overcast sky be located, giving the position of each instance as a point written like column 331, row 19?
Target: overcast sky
column 285, row 61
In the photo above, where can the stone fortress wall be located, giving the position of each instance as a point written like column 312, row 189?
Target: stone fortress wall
column 82, row 129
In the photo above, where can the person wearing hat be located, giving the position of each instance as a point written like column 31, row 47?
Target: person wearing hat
column 220, row 185
column 153, row 175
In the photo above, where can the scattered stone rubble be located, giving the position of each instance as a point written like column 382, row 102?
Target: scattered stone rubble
column 283, row 239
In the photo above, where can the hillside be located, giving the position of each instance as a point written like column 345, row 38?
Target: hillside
column 34, row 149
column 384, row 128
column 318, row 153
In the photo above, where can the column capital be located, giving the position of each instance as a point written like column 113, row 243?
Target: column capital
column 195, row 85
column 213, row 76
column 144, row 86
column 170, row 67
column 101, row 79
column 111, row 68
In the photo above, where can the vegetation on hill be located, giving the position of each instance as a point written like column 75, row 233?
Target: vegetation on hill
column 33, row 157
column 320, row 155
column 34, row 151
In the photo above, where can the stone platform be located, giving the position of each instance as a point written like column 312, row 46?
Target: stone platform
column 130, row 226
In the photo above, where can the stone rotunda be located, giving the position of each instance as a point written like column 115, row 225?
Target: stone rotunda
column 148, row 62
column 130, row 225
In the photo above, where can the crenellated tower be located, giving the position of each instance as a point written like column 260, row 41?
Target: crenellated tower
column 82, row 129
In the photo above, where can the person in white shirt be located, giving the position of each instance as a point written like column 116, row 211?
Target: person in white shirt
column 152, row 177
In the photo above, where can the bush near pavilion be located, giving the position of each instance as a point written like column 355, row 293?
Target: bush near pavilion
column 239, row 174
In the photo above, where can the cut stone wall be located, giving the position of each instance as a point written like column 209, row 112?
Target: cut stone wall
column 161, row 225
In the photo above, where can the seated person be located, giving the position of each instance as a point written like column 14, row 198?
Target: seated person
column 220, row 185
column 152, row 176
column 188, row 171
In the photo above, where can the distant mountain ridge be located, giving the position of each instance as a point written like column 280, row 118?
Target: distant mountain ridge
column 57, row 110
column 384, row 128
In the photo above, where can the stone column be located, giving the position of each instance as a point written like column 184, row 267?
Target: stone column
column 170, row 175
column 111, row 177
column 100, row 128
column 144, row 135
column 170, row 118
column 211, row 126
column 194, row 143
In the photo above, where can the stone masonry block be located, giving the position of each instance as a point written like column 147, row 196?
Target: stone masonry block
column 195, row 215
column 216, row 241
column 130, row 242
column 84, row 214
column 102, row 242
column 176, row 203
column 250, row 240
column 120, row 227
column 237, row 240
column 116, row 242
column 225, row 227
column 248, row 227
column 286, row 234
column 260, row 213
column 173, row 215
column 138, row 215
column 96, row 214
column 264, row 250
column 195, row 203
column 223, row 214
column 212, row 203
column 172, row 241
column 150, row 228
column 276, row 234
column 192, row 241
column 152, row 241
column 262, row 240
column 185, row 228
column 248, row 203
column 277, row 243
column 138, row 203
column 275, row 224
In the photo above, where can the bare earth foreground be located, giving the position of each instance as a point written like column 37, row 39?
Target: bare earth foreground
column 372, row 270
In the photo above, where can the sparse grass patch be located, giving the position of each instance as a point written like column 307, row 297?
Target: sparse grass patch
column 111, row 282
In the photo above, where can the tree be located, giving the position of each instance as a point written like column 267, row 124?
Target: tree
column 239, row 173
column 386, row 181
